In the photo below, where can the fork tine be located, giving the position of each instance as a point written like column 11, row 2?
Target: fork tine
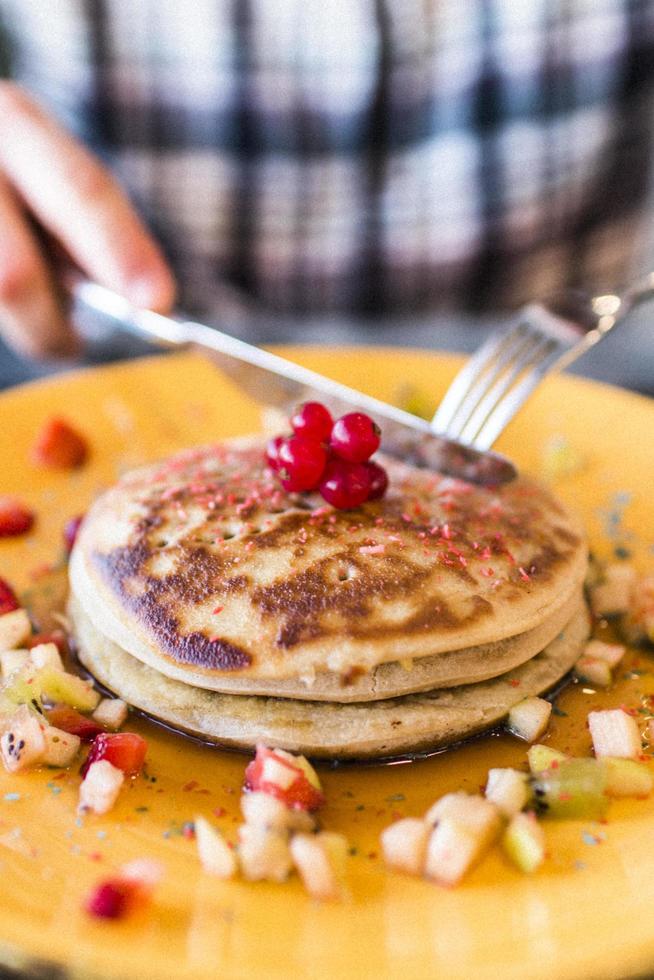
column 528, row 361
column 506, row 408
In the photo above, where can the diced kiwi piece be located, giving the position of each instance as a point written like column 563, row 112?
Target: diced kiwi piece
column 574, row 790
column 541, row 757
column 60, row 686
column 626, row 777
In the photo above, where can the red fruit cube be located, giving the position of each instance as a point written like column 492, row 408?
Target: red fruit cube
column 58, row 637
column 15, row 518
column 8, row 600
column 69, row 720
column 292, row 787
column 124, row 750
column 111, row 899
column 59, row 445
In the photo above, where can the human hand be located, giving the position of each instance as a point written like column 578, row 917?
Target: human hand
column 47, row 177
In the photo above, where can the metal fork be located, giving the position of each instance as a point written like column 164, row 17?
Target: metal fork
column 544, row 337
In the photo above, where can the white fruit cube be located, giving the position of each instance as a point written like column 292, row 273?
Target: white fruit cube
column 524, row 842
column 216, row 857
column 610, row 653
column 15, row 629
column 593, row 671
column 508, row 789
column 478, row 815
column 263, row 854
column 144, row 872
column 100, row 787
column 542, row 757
column 404, row 845
column 267, row 811
column 529, row 718
column 46, row 655
column 320, row 861
column 277, row 773
column 111, row 713
column 22, row 743
column 452, row 849
column 11, row 660
column 612, row 595
column 614, row 733
column 626, row 777
column 60, row 747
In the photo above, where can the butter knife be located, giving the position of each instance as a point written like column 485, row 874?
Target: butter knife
column 275, row 381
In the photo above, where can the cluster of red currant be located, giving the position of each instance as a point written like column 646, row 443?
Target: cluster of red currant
column 331, row 457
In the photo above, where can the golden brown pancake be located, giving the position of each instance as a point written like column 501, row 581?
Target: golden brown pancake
column 394, row 726
column 204, row 569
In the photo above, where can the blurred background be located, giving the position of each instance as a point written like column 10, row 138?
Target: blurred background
column 396, row 172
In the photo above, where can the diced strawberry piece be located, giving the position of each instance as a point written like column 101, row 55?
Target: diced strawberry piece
column 58, row 637
column 69, row 720
column 111, row 899
column 71, row 527
column 59, row 445
column 299, row 794
column 8, row 600
column 15, row 518
column 124, row 750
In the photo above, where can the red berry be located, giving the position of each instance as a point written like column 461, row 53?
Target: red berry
column 301, row 463
column 58, row 445
column 378, row 480
column 71, row 527
column 312, row 419
column 124, row 750
column 355, row 437
column 8, row 600
column 111, row 899
column 15, row 518
column 345, row 485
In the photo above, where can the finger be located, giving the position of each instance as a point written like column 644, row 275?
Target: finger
column 78, row 201
column 31, row 317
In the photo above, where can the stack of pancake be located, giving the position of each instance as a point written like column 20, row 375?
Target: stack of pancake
column 208, row 597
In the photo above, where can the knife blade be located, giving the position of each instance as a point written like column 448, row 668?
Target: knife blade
column 276, row 381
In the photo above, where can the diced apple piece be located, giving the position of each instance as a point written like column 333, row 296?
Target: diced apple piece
column 541, row 757
column 404, row 845
column 524, row 842
column 277, row 773
column 529, row 718
column 508, row 789
column 46, row 655
column 611, row 596
column 614, row 733
column 263, row 854
column 100, row 787
column 111, row 713
column 593, row 671
column 575, row 790
column 320, row 861
column 472, row 811
column 452, row 849
column 611, row 653
column 60, row 747
column 216, row 857
column 626, row 777
column 57, row 685
column 11, row 660
column 22, row 743
column 15, row 629
column 267, row 811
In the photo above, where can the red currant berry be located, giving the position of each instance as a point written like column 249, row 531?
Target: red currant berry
column 345, row 485
column 378, row 480
column 312, row 419
column 272, row 452
column 355, row 437
column 301, row 463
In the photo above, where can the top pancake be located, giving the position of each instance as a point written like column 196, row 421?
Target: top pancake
column 204, row 568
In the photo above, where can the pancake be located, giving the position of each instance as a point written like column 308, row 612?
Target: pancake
column 380, row 729
column 204, row 569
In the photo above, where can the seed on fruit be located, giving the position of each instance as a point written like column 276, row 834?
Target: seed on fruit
column 312, row 419
column 345, row 485
column 301, row 463
column 355, row 437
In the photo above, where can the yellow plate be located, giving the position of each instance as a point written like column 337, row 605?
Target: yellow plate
column 587, row 913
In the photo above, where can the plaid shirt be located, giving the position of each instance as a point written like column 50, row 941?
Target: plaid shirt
column 359, row 157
